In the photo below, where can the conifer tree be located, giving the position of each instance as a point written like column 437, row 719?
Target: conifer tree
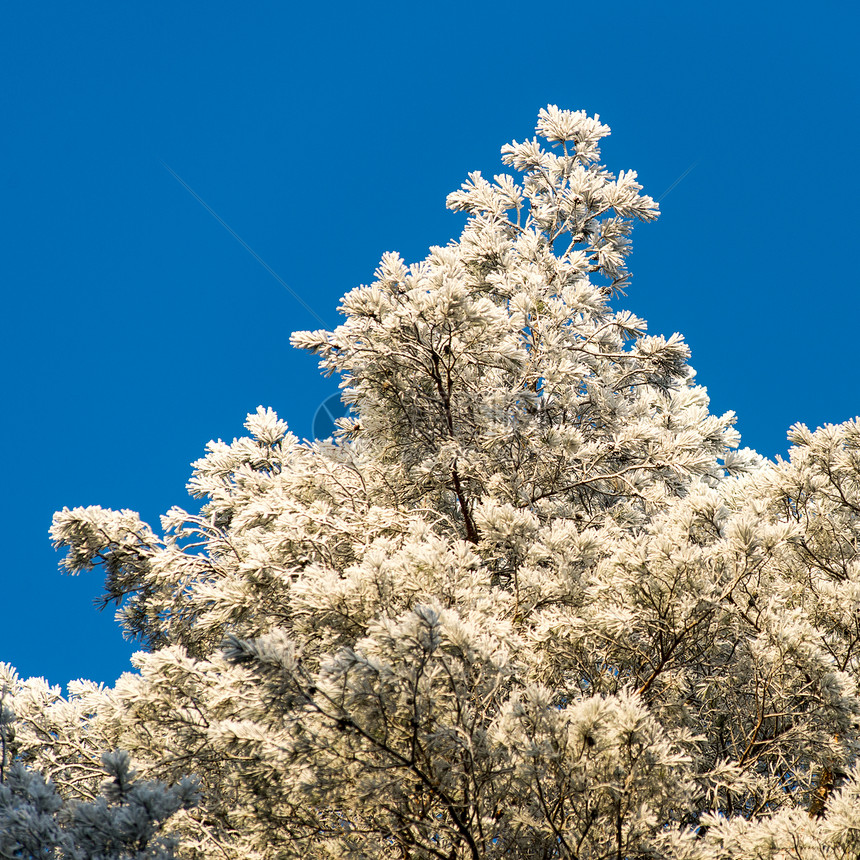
column 529, row 602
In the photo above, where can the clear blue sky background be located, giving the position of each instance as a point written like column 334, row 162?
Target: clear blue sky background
column 136, row 328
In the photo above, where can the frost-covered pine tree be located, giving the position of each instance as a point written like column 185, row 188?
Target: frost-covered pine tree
column 530, row 601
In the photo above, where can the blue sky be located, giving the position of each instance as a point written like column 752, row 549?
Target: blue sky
column 137, row 328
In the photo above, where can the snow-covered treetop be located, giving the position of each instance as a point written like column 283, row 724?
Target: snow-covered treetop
column 565, row 193
column 502, row 347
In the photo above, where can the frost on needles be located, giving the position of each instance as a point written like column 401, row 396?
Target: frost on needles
column 530, row 601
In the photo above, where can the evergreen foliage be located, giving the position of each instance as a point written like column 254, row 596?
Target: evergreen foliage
column 530, row 602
